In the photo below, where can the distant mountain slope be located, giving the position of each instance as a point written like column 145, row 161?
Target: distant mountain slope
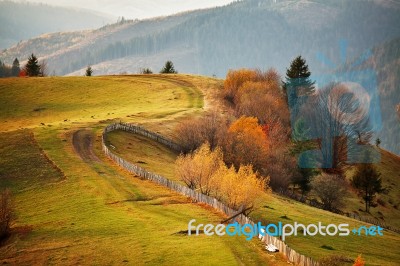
column 24, row 20
column 251, row 33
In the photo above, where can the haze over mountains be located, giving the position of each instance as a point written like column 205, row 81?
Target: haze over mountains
column 250, row 33
column 138, row 9
column 24, row 20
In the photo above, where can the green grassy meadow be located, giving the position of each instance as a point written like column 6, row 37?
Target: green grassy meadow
column 70, row 211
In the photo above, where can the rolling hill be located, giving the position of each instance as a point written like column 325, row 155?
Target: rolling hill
column 77, row 209
column 250, row 33
column 85, row 206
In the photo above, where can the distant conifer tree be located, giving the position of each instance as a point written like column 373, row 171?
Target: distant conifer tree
column 89, row 71
column 15, row 68
column 32, row 68
column 168, row 68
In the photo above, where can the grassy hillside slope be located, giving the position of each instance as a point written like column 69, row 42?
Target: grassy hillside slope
column 379, row 250
column 388, row 204
column 70, row 211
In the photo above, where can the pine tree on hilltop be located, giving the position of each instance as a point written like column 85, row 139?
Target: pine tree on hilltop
column 89, row 71
column 32, row 67
column 15, row 68
column 298, row 82
column 168, row 68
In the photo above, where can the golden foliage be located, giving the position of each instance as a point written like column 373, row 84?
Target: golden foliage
column 197, row 169
column 239, row 189
column 205, row 170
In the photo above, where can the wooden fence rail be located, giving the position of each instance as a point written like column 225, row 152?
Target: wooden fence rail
column 291, row 254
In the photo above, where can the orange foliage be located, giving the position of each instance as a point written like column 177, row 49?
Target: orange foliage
column 235, row 79
column 263, row 99
column 359, row 261
column 246, row 143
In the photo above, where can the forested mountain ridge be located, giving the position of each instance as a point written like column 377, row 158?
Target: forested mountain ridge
column 252, row 33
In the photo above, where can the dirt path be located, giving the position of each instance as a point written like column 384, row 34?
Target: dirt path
column 82, row 140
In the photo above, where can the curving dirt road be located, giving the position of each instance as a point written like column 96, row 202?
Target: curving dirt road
column 82, row 140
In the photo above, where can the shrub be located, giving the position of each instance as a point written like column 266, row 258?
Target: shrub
column 331, row 190
column 192, row 133
column 334, row 260
column 6, row 213
column 146, row 71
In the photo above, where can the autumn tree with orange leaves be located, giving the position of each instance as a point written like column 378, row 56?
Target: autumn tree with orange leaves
column 246, row 143
column 235, row 79
column 262, row 98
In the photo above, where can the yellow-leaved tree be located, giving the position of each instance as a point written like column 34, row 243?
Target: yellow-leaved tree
column 197, row 169
column 205, row 170
column 241, row 189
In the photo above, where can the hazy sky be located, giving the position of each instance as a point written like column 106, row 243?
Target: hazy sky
column 137, row 8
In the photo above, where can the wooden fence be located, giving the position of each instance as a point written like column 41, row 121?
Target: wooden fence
column 291, row 254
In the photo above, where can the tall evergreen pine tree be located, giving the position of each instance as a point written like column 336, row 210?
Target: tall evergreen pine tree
column 32, row 67
column 298, row 82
